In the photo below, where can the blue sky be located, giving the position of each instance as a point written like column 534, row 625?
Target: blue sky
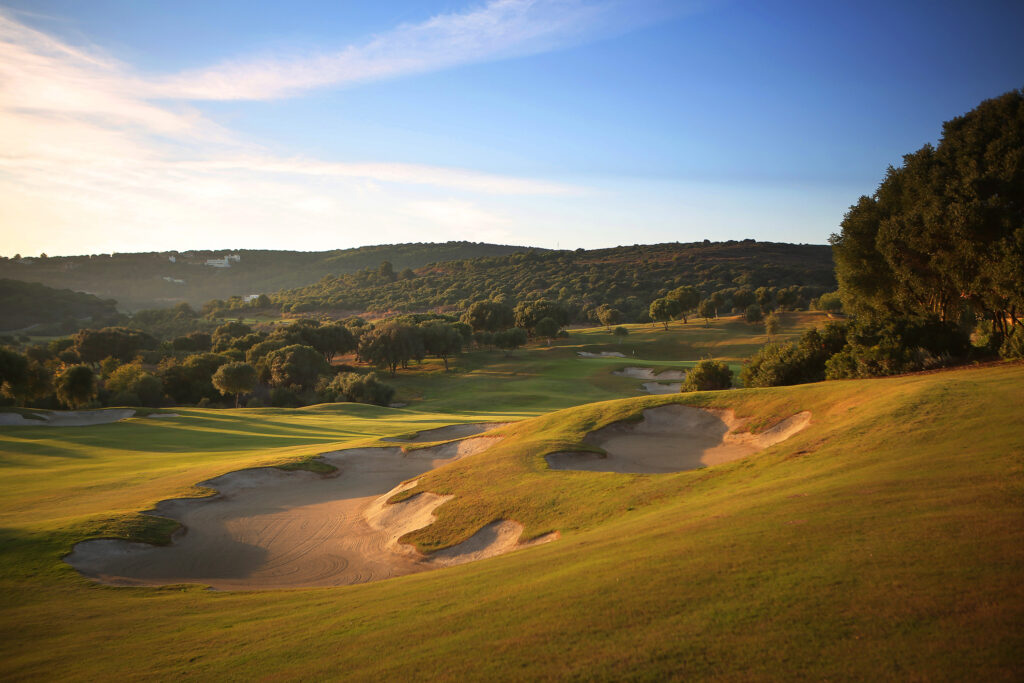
column 133, row 126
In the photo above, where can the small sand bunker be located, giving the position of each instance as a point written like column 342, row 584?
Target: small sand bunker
column 267, row 528
column 662, row 388
column 601, row 354
column 675, row 438
column 450, row 432
column 66, row 418
column 651, row 373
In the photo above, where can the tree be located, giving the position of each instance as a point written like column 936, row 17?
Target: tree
column 191, row 380
column 235, row 378
column 391, row 344
column 441, row 340
column 76, row 386
column 356, row 388
column 132, row 385
column 13, row 373
column 529, row 313
column 708, row 375
column 547, row 328
column 296, row 365
column 511, row 339
column 488, row 316
column 707, row 310
column 771, row 324
column 944, row 230
column 663, row 310
column 608, row 316
column 754, row 314
column 686, row 297
column 122, row 343
column 620, row 332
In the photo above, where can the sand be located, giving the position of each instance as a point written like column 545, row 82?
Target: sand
column 450, row 432
column 602, row 354
column 267, row 528
column 651, row 373
column 675, row 438
column 662, row 388
column 66, row 418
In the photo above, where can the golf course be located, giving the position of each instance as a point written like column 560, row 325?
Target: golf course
column 872, row 541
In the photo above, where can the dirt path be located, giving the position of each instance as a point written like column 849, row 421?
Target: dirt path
column 268, row 528
column 672, row 439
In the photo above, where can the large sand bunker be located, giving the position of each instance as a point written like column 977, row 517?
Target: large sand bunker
column 267, row 528
column 450, row 432
column 66, row 418
column 674, row 438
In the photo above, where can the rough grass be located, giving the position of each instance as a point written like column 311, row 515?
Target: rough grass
column 884, row 541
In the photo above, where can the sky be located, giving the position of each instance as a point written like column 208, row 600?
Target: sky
column 312, row 125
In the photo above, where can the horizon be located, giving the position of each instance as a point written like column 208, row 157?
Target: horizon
column 132, row 129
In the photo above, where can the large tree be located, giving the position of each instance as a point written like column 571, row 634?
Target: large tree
column 235, row 378
column 76, row 385
column 944, row 232
column 391, row 344
column 489, row 316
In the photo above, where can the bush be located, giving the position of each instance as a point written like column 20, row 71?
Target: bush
column 1013, row 344
column 798, row 362
column 897, row 346
column 754, row 314
column 708, row 375
column 355, row 388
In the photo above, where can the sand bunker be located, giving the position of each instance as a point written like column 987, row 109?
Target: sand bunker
column 66, row 418
column 268, row 528
column 602, row 354
column 651, row 373
column 675, row 438
column 662, row 388
column 450, row 432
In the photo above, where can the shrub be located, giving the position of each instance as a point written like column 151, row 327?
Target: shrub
column 708, row 375
column 356, row 388
column 1013, row 344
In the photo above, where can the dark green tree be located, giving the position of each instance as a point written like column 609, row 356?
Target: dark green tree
column 235, row 378
column 296, row 365
column 76, row 386
column 708, row 375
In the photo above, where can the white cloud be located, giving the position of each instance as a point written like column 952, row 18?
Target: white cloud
column 88, row 164
column 501, row 28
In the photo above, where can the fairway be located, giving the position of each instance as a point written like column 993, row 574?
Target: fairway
column 854, row 529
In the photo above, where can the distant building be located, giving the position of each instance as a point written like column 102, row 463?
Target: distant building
column 224, row 262
column 249, row 298
column 172, row 259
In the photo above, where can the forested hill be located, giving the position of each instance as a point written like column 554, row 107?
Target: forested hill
column 27, row 304
column 163, row 279
column 627, row 278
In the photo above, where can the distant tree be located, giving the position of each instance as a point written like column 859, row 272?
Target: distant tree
column 296, row 365
column 441, row 340
column 547, row 328
column 356, row 388
column 529, row 313
column 131, row 384
column 687, row 298
column 191, row 380
column 608, row 316
column 707, row 310
column 227, row 332
column 830, row 302
column 386, row 272
column 122, row 343
column 235, row 378
column 391, row 344
column 13, row 373
column 511, row 339
column 489, row 316
column 620, row 333
column 76, row 386
column 754, row 314
column 708, row 375
column 743, row 298
column 772, row 324
column 663, row 310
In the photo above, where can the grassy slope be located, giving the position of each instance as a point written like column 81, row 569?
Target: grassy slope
column 884, row 540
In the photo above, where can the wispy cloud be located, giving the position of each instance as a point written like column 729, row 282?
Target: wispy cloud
column 86, row 149
column 499, row 29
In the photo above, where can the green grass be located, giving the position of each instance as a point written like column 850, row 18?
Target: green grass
column 884, row 541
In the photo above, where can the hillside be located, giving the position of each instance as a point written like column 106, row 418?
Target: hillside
column 627, row 278
column 26, row 304
column 162, row 279
column 876, row 543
